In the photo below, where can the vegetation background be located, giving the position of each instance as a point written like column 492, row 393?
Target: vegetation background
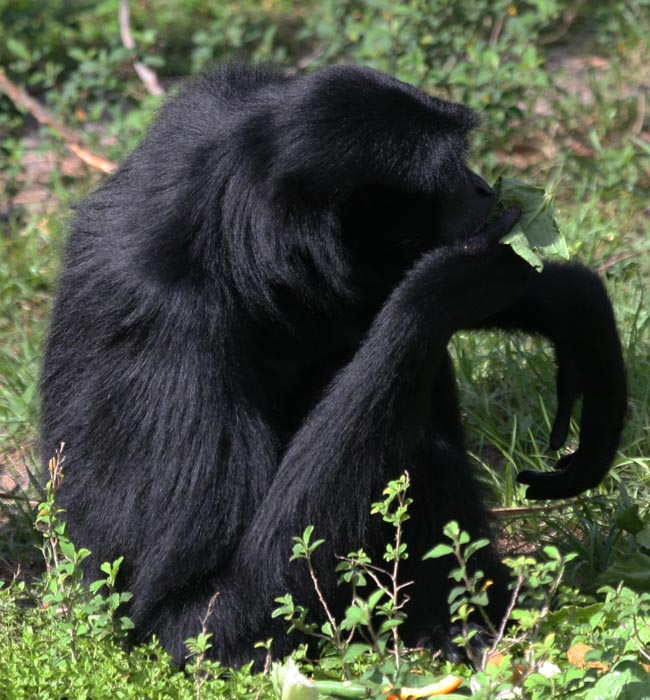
column 564, row 90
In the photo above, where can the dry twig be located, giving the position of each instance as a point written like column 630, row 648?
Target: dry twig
column 26, row 102
column 614, row 260
column 146, row 74
column 520, row 511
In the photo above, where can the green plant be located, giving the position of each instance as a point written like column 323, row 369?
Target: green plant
column 470, row 596
column 200, row 667
column 368, row 632
column 387, row 601
column 64, row 594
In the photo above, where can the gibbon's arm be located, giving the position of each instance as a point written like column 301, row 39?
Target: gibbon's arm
column 364, row 407
column 568, row 304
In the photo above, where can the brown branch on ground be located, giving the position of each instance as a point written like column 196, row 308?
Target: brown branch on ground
column 24, row 101
column 146, row 74
column 621, row 257
column 521, row 511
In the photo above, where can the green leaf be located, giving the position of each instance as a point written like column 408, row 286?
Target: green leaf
column 481, row 599
column 626, row 681
column 375, row 597
column 456, row 592
column 536, row 232
column 354, row 651
column 440, row 550
column 632, row 569
column 630, row 521
column 67, row 548
column 643, row 537
column 451, row 530
column 389, row 625
column 518, row 241
column 105, row 567
column 354, row 615
column 96, row 586
column 474, row 547
column 18, row 48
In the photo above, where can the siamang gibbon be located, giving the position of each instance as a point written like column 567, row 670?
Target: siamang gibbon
column 250, row 336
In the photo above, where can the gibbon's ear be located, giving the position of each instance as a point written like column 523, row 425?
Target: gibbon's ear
column 345, row 127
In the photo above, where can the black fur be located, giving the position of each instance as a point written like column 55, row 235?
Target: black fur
column 250, row 336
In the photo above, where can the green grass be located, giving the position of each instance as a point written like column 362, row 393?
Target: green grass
column 26, row 279
column 28, row 264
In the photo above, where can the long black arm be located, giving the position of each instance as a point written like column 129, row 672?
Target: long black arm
column 569, row 305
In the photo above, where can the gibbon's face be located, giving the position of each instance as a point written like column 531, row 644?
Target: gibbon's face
column 388, row 229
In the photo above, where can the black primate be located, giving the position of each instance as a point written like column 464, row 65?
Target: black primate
column 250, row 336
